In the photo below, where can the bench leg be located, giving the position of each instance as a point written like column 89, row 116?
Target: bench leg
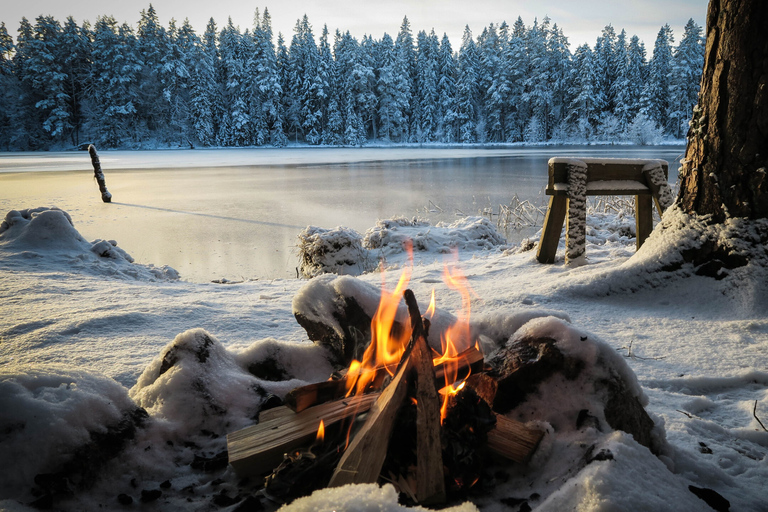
column 643, row 217
column 553, row 227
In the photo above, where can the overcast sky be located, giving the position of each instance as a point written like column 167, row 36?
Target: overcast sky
column 581, row 21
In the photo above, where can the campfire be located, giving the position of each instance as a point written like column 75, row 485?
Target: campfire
column 406, row 414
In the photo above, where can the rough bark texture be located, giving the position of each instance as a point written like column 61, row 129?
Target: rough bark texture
column 726, row 160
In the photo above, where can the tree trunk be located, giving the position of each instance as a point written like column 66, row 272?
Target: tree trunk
column 724, row 173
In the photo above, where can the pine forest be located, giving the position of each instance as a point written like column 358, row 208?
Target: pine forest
column 62, row 86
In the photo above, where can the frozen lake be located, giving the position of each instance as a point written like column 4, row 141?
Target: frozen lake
column 235, row 213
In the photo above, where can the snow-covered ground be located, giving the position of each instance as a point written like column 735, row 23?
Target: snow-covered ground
column 83, row 332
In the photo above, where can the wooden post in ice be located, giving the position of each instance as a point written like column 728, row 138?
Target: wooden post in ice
column 98, row 174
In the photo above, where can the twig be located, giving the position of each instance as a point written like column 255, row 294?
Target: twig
column 683, row 412
column 633, row 356
column 754, row 413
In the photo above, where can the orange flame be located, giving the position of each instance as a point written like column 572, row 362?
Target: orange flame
column 320, row 433
column 386, row 347
column 456, row 338
column 388, row 344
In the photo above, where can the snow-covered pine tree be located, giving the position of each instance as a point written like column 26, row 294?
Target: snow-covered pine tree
column 606, row 68
column 9, row 85
column 447, row 128
column 583, row 114
column 205, row 94
column 236, row 122
column 427, row 83
column 490, row 98
column 389, row 114
column 537, row 95
column 114, row 80
column 685, row 78
column 305, row 114
column 516, row 65
column 467, row 90
column 178, row 63
column 636, row 76
column 74, row 52
column 655, row 97
column 152, row 45
column 404, row 75
column 560, row 70
column 621, row 86
column 45, row 81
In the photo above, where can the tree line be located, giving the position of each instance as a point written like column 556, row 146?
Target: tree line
column 63, row 85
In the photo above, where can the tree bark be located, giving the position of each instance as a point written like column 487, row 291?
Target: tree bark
column 724, row 172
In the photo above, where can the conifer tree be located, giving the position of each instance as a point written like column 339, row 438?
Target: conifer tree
column 684, row 78
column 656, row 100
column 446, row 93
column 205, row 93
column 466, row 90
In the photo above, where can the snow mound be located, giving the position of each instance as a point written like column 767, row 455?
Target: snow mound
column 197, row 385
column 622, row 475
column 74, row 405
column 732, row 254
column 467, row 234
column 338, row 251
column 49, row 234
column 360, row 498
column 344, row 251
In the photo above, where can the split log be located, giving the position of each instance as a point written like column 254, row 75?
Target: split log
column 513, row 440
column 98, row 174
column 276, row 412
column 364, row 457
column 430, row 483
column 259, row 449
column 298, row 399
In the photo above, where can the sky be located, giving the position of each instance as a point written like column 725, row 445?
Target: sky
column 581, row 22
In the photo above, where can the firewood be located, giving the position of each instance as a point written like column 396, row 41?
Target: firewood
column 298, row 399
column 258, row 449
column 484, row 385
column 276, row 412
column 303, row 397
column 430, row 483
column 364, row 457
column 513, row 440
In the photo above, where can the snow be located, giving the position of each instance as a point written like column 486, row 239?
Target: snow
column 86, row 335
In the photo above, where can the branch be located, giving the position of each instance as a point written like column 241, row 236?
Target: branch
column 754, row 413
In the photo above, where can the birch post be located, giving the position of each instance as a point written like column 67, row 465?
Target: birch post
column 99, row 175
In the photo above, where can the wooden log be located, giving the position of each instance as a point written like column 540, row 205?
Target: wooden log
column 298, row 399
column 98, row 174
column 364, row 457
column 485, row 386
column 430, row 481
column 513, row 440
column 276, row 412
column 259, row 449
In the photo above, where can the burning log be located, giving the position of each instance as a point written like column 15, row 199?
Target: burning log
column 430, row 486
column 470, row 361
column 258, row 449
column 364, row 457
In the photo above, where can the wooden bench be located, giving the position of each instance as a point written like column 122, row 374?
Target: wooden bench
column 572, row 179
